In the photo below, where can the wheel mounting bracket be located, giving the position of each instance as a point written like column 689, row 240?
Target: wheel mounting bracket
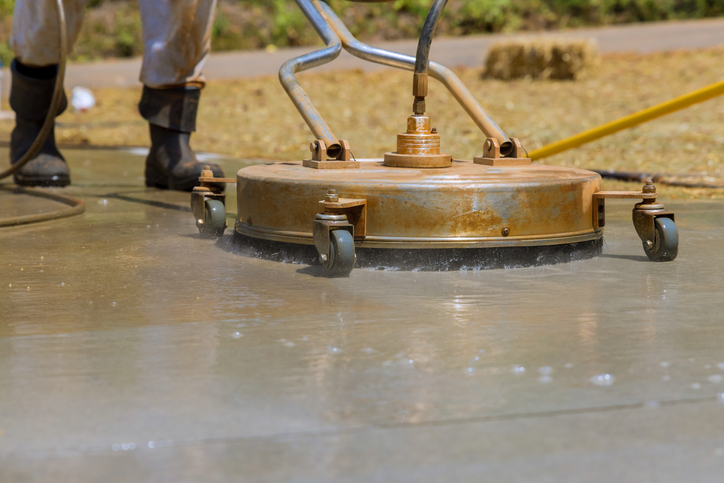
column 644, row 214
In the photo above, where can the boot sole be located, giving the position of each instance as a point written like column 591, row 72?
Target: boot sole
column 59, row 181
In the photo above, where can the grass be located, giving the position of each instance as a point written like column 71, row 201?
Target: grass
column 253, row 118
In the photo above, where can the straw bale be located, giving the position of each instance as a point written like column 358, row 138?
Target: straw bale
column 542, row 58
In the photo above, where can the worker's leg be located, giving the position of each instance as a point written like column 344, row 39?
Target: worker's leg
column 34, row 71
column 177, row 41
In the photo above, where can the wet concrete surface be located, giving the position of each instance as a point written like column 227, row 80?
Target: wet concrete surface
column 133, row 350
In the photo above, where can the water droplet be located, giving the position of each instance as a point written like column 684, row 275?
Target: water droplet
column 62, row 284
column 721, row 366
column 652, row 404
column 477, row 358
column 715, row 378
column 545, row 370
column 720, row 397
column 333, row 350
column 719, row 452
column 470, row 370
column 366, row 350
column 113, row 304
column 545, row 379
column 115, row 447
column 603, row 380
column 151, row 444
column 237, row 335
column 696, row 386
column 707, row 366
column 664, row 364
column 518, row 369
column 289, row 343
column 411, row 361
column 124, row 446
column 568, row 366
column 666, row 378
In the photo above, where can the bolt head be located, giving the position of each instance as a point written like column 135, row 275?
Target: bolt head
column 322, row 257
column 331, row 196
column 505, row 231
column 648, row 244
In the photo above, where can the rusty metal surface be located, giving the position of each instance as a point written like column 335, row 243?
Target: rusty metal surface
column 467, row 205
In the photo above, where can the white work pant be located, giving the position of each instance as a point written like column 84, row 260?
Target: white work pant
column 176, row 37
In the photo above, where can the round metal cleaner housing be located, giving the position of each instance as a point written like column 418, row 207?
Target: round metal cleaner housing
column 465, row 206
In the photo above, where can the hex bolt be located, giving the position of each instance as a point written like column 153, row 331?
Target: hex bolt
column 649, row 187
column 207, row 172
column 505, row 231
column 322, row 257
column 648, row 244
column 331, row 196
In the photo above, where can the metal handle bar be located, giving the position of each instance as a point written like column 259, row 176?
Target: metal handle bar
column 308, row 61
column 407, row 62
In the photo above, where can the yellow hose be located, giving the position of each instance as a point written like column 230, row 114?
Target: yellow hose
column 676, row 104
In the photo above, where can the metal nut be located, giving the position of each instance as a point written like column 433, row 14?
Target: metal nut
column 649, row 187
column 505, row 231
column 331, row 196
column 648, row 244
column 322, row 257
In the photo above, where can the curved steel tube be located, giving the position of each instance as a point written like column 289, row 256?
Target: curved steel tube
column 407, row 62
column 308, row 61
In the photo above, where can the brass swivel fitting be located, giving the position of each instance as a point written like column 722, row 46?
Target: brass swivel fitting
column 418, row 147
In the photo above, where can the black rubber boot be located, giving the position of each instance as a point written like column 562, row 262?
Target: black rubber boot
column 30, row 95
column 171, row 163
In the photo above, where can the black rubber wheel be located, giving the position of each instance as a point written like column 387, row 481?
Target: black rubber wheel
column 341, row 254
column 666, row 241
column 214, row 221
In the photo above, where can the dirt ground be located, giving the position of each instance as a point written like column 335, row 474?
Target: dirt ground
column 253, row 118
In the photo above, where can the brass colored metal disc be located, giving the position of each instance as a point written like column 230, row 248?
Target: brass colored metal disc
column 418, row 160
column 465, row 206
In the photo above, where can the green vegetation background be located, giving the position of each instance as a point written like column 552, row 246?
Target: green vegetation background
column 113, row 28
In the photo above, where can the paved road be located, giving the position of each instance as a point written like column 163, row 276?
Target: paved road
column 467, row 51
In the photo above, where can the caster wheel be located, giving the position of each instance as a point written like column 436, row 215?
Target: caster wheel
column 214, row 221
column 666, row 241
column 341, row 254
